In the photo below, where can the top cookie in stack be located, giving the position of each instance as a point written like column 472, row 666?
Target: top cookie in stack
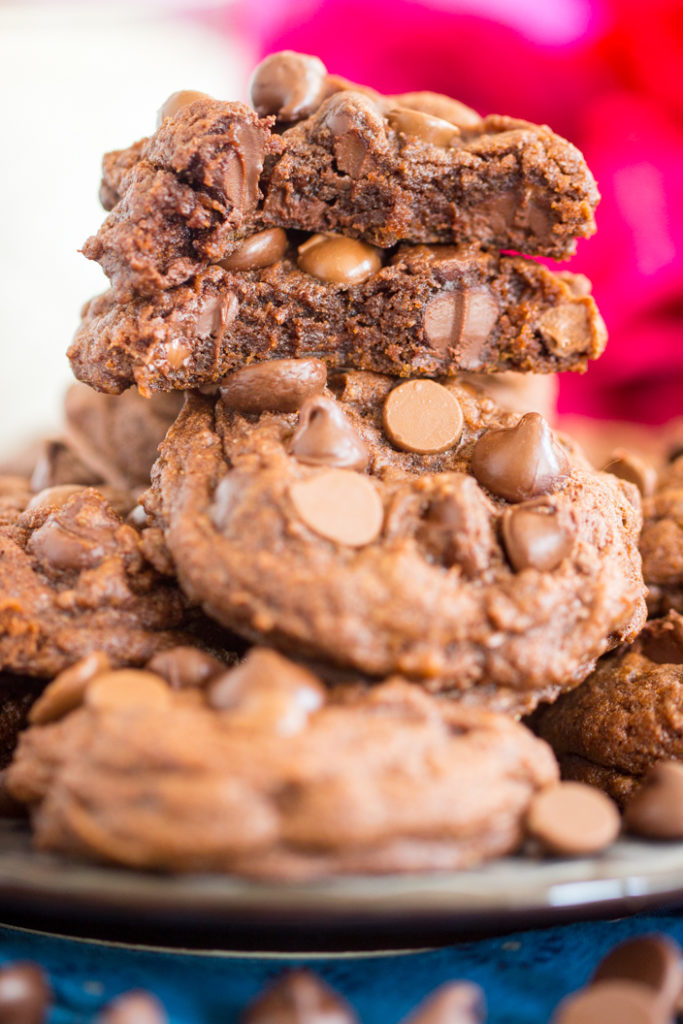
column 411, row 207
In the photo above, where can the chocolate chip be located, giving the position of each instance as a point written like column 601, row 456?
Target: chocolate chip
column 54, row 497
column 324, row 436
column 278, row 385
column 422, row 416
column 127, row 687
column 456, row 529
column 438, row 105
column 67, row 691
column 520, row 462
column 414, row 124
column 338, row 260
column 461, row 321
column 184, row 667
column 354, row 123
column 656, row 810
column 460, row 1002
column 176, row 101
column 533, row 537
column 178, row 350
column 24, row 994
column 610, row 1002
column 76, row 536
column 339, row 505
column 267, row 691
column 288, row 84
column 216, row 314
column 241, row 167
column 259, row 250
column 651, row 960
column 133, row 1008
column 299, row 997
column 629, row 466
column 572, row 819
column 566, row 329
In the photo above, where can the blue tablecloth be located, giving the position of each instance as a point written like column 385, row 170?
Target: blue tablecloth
column 524, row 974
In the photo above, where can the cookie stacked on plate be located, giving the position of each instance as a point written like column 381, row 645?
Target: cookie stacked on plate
column 330, row 277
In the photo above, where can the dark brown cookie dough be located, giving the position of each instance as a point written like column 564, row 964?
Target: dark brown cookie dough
column 400, row 529
column 392, row 780
column 383, row 169
column 74, row 577
column 625, row 717
column 431, row 310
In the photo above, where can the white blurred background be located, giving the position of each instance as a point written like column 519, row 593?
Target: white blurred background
column 76, row 79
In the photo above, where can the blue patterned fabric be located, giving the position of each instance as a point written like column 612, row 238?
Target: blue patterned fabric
column 524, row 974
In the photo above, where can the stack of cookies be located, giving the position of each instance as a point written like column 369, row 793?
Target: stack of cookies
column 333, row 278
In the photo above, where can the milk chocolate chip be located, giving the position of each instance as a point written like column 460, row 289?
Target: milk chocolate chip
column 572, row 819
column 339, row 505
column 355, row 124
column 339, row 260
column 127, row 687
column 134, row 1008
column 533, row 537
column 656, row 810
column 520, row 462
column 67, row 690
column 461, row 321
column 459, row 1002
column 324, row 436
column 176, row 101
column 625, row 1002
column 650, row 960
column 259, row 250
column 299, row 997
column 288, row 84
column 278, row 385
column 456, row 528
column 76, row 536
column 628, row 466
column 216, row 314
column 566, row 329
column 438, row 105
column 24, row 994
column 185, row 667
column 414, row 124
column 422, row 416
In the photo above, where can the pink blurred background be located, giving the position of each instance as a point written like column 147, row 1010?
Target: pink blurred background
column 608, row 75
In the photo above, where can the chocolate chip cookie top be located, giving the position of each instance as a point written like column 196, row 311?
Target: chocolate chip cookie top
column 74, row 576
column 626, row 716
column 429, row 310
column 392, row 779
column 420, row 168
column 393, row 527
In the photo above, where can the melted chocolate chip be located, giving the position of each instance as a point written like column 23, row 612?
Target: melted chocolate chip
column 456, row 529
column 288, row 84
column 216, row 314
column 78, row 535
column 415, row 124
column 461, row 321
column 278, row 385
column 259, row 250
column 566, row 329
column 324, row 436
column 520, row 462
column 533, row 537
column 354, row 122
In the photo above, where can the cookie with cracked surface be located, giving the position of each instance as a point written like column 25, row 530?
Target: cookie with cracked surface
column 391, row 780
column 432, row 310
column 625, row 717
column 399, row 527
column 74, row 577
column 380, row 169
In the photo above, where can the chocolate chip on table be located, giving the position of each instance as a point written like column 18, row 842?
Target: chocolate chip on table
column 25, row 995
column 288, row 84
column 422, row 416
column 460, row 1002
column 611, row 1002
column 533, row 537
column 133, row 1008
column 299, row 997
column 338, row 259
column 339, row 505
column 415, row 124
column 278, row 385
column 656, row 809
column 67, row 690
column 572, row 819
column 324, row 436
column 651, row 960
column 176, row 101
column 520, row 462
column 184, row 667
column 628, row 466
column 461, row 320
column 257, row 251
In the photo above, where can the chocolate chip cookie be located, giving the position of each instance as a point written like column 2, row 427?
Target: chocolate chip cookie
column 74, row 577
column 626, row 716
column 391, row 527
column 431, row 310
column 380, row 169
column 138, row 773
